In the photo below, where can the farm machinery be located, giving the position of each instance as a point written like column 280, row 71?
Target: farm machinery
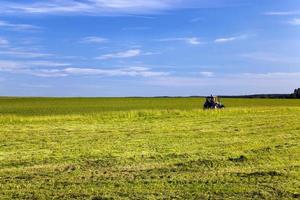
column 213, row 102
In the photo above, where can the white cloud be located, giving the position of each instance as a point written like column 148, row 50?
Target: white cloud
column 282, row 13
column 18, row 27
column 131, row 71
column 3, row 42
column 102, row 7
column 231, row 39
column 139, row 28
column 47, row 64
column 272, row 57
column 150, row 53
column 7, row 65
column 193, row 40
column 197, row 19
column 14, row 52
column 188, row 40
column 295, row 22
column 273, row 75
column 207, row 74
column 46, row 73
column 39, row 68
column 134, row 72
column 93, row 39
column 124, row 54
column 46, row 7
column 224, row 40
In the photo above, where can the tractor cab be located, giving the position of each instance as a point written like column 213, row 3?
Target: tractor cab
column 213, row 102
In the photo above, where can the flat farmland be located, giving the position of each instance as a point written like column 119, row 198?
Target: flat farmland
column 148, row 148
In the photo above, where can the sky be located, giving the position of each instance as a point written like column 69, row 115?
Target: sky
column 148, row 47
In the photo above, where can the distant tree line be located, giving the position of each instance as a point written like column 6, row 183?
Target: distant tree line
column 296, row 93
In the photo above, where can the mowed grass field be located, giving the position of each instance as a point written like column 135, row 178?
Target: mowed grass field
column 148, row 148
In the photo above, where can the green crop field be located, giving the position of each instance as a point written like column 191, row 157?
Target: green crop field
column 148, row 148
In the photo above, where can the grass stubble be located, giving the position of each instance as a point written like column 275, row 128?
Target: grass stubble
column 136, row 148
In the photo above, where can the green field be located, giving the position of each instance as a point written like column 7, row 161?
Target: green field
column 148, row 148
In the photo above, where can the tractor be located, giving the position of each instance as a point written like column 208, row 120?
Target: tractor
column 213, row 102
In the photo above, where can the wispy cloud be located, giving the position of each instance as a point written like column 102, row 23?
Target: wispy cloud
column 43, row 86
column 102, row 7
column 197, row 19
column 282, row 13
column 124, row 54
column 295, row 22
column 18, row 27
column 231, row 39
column 272, row 75
column 130, row 71
column 34, row 68
column 224, row 40
column 47, row 73
column 188, row 40
column 7, row 65
column 272, row 57
column 45, row 63
column 20, row 53
column 46, row 68
column 138, row 28
column 207, row 74
column 243, row 80
column 3, row 42
column 93, row 39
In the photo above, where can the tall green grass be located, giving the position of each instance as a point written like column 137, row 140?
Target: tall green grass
column 53, row 106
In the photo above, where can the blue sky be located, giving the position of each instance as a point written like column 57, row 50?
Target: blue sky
column 148, row 48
